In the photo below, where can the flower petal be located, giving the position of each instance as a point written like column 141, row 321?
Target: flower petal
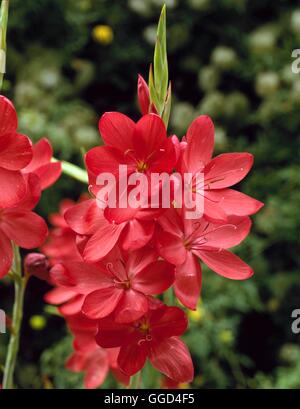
column 83, row 216
column 86, row 278
column 149, row 136
column 156, row 278
column 100, row 244
column 131, row 307
column 15, row 151
column 226, row 264
column 172, row 358
column 116, row 130
column 171, row 247
column 132, row 358
column 25, row 228
column 101, row 303
column 227, row 169
column 6, row 254
column 8, row 116
column 42, row 155
column 13, row 187
column 136, row 234
column 112, row 334
column 49, row 174
column 233, row 202
column 188, row 279
column 200, row 146
column 167, row 322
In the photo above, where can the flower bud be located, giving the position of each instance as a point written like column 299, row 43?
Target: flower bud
column 36, row 264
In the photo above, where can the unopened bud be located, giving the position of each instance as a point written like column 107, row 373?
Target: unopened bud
column 36, row 264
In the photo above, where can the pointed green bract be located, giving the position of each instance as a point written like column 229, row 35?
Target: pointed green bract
column 160, row 91
column 3, row 28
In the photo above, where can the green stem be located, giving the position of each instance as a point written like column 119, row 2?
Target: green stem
column 14, row 342
column 73, row 171
column 136, row 381
column 3, row 28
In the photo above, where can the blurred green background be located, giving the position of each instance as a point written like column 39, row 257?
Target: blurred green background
column 69, row 61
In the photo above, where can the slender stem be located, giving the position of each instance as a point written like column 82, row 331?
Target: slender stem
column 136, row 381
column 3, row 28
column 14, row 341
column 73, row 171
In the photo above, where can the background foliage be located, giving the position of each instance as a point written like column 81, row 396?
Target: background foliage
column 69, row 61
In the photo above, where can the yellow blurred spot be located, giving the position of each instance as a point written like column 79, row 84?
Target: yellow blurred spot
column 226, row 336
column 103, row 34
column 37, row 322
column 184, row 385
column 198, row 314
column 273, row 304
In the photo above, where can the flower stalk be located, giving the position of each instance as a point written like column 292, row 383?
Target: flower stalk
column 73, row 171
column 14, row 341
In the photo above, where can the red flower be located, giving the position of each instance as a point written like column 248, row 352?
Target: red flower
column 15, row 154
column 117, row 286
column 69, row 302
column 88, row 220
column 89, row 357
column 180, row 241
column 48, row 172
column 143, row 147
column 220, row 173
column 61, row 244
column 23, row 227
column 154, row 336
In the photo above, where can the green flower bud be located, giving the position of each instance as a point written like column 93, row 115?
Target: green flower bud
column 208, row 78
column 199, row 4
column 220, row 139
column 181, row 117
column 213, row 104
column 150, row 34
column 169, row 3
column 236, row 106
column 224, row 58
column 262, row 40
column 295, row 93
column 267, row 83
column 86, row 136
column 295, row 21
column 141, row 7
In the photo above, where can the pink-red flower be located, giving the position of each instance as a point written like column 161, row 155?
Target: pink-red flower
column 154, row 336
column 87, row 219
column 219, row 173
column 89, row 357
column 119, row 285
column 182, row 241
column 15, row 154
column 48, row 172
column 25, row 228
column 61, row 244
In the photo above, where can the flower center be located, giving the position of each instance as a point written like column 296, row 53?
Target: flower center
column 141, row 166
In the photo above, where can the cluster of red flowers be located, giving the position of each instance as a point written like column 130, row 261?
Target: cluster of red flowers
column 25, row 170
column 112, row 266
